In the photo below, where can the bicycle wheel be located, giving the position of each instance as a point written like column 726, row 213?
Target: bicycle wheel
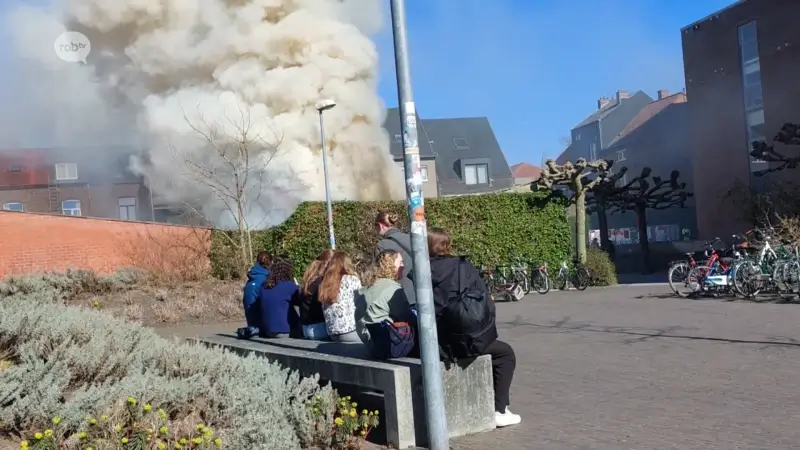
column 560, row 281
column 696, row 279
column 581, row 278
column 540, row 282
column 747, row 280
column 677, row 277
column 521, row 278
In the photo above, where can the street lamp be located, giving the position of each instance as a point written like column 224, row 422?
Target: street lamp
column 324, row 105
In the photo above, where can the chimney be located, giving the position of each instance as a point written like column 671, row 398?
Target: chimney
column 662, row 94
column 602, row 102
column 622, row 94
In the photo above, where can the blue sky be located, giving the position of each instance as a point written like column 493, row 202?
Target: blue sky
column 536, row 68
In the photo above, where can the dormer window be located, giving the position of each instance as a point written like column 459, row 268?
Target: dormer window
column 66, row 171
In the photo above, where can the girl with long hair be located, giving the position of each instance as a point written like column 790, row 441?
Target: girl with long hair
column 312, row 319
column 279, row 293
column 336, row 293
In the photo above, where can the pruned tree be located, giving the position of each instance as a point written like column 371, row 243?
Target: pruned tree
column 229, row 171
column 580, row 177
column 778, row 158
column 640, row 194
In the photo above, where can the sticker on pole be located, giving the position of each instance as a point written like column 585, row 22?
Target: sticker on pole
column 418, row 228
column 72, row 46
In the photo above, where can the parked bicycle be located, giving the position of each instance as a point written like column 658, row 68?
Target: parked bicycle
column 577, row 275
column 539, row 280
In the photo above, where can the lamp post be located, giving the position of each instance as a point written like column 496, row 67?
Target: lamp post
column 438, row 436
column 324, row 105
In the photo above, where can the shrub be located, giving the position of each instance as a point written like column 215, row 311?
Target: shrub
column 491, row 229
column 61, row 287
column 602, row 270
column 70, row 363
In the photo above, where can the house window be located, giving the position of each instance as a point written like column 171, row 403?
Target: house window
column 424, row 173
column 15, row 169
column 620, row 155
column 460, row 142
column 13, row 206
column 577, row 136
column 71, row 207
column 398, row 138
column 127, row 208
column 66, row 171
column 593, row 151
column 752, row 91
column 476, row 174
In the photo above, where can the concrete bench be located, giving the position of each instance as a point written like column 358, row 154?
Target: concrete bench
column 468, row 396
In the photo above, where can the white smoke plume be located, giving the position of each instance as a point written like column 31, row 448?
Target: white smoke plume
column 160, row 68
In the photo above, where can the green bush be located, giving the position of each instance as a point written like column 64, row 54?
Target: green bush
column 70, row 363
column 602, row 270
column 491, row 229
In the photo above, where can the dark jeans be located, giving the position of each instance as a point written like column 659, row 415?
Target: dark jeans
column 504, row 362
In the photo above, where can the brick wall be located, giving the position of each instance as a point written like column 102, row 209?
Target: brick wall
column 39, row 242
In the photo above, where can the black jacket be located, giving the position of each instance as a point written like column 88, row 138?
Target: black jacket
column 309, row 305
column 445, row 282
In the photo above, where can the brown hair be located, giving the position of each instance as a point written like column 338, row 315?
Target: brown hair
column 315, row 270
column 387, row 218
column 280, row 269
column 264, row 258
column 385, row 265
column 339, row 266
column 439, row 243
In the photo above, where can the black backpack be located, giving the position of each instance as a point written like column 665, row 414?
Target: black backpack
column 467, row 323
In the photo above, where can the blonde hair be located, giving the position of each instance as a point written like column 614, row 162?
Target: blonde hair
column 339, row 266
column 385, row 266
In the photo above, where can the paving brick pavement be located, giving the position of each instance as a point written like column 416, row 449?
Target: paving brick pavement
column 626, row 369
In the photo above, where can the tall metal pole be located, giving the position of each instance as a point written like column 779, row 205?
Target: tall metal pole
column 327, row 181
column 429, row 346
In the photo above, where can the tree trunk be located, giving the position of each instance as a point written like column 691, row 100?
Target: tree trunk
column 580, row 226
column 644, row 244
column 602, row 222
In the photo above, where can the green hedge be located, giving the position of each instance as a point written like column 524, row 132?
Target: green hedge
column 490, row 229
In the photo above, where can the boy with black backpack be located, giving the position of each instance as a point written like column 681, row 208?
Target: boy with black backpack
column 465, row 320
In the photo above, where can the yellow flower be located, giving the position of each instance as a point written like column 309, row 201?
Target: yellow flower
column 363, row 432
column 376, row 412
column 338, row 421
column 161, row 446
column 315, row 410
column 56, row 420
column 353, row 413
column 131, row 401
column 162, row 414
column 89, row 448
column 82, row 435
column 199, row 427
column 92, row 421
column 104, row 418
column 177, row 446
column 354, row 405
column 197, row 441
column 347, row 398
column 163, row 430
column 183, row 441
column 95, row 304
column 147, row 407
column 218, row 442
column 38, row 436
column 124, row 440
column 23, row 444
column 48, row 433
column 364, row 412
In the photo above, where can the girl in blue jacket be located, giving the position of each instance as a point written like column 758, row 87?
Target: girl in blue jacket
column 256, row 277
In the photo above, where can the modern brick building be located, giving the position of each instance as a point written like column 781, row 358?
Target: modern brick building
column 741, row 66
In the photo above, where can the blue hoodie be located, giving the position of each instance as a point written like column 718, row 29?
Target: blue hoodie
column 256, row 277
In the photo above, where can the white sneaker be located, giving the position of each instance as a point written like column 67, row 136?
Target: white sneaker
column 505, row 419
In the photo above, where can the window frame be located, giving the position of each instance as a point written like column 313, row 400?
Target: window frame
column 464, row 146
column 66, row 175
column 73, row 210
column 423, row 173
column 127, row 208
column 6, row 206
column 475, row 167
column 621, row 155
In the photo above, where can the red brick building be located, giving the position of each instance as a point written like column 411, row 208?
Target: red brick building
column 741, row 66
column 76, row 182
